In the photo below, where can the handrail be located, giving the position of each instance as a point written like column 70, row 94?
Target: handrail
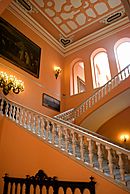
column 72, row 114
column 95, row 136
column 76, row 128
column 88, row 148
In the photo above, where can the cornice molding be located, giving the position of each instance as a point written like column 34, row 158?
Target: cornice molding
column 33, row 25
column 73, row 47
column 96, row 36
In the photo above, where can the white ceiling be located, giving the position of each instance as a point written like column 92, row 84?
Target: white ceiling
column 68, row 24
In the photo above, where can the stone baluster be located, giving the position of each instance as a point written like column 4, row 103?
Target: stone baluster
column 66, row 140
column 83, row 110
column 117, row 80
column 73, row 142
column 38, row 126
column 99, row 96
column 1, row 106
column 42, row 127
column 59, row 137
column 121, row 166
column 110, row 161
column 92, row 100
column 81, row 147
column 112, row 83
column 29, row 120
column 100, row 156
column 21, row 116
column 128, row 68
column 53, row 132
column 103, row 91
column 17, row 114
column 78, row 112
column 89, row 102
column 121, row 75
column 33, row 123
column 25, row 119
column 7, row 109
column 47, row 129
column 95, row 97
column 126, row 72
column 10, row 111
column 86, row 105
column 114, row 80
column 75, row 114
column 90, row 149
column 14, row 113
column 109, row 86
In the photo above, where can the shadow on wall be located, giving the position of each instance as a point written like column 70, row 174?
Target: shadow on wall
column 118, row 128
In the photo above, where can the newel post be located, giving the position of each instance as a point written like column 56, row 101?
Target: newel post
column 6, row 182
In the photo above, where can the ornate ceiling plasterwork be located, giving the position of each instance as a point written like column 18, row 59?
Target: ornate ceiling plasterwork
column 70, row 21
column 71, row 15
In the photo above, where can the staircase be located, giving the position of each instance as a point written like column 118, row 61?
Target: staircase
column 74, row 113
column 87, row 148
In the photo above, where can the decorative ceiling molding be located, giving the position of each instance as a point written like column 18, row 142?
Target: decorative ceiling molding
column 65, row 41
column 33, row 25
column 97, row 20
column 39, row 10
column 113, row 17
column 73, row 47
column 26, row 5
column 68, row 17
column 97, row 36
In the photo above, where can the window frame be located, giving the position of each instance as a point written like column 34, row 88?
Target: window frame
column 94, row 77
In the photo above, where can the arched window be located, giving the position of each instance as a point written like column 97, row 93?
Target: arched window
column 100, row 68
column 122, row 53
column 77, row 78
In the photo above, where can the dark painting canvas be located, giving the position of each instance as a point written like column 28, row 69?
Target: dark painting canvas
column 18, row 49
column 50, row 102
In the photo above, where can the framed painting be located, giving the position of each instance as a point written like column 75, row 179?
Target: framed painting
column 18, row 49
column 50, row 102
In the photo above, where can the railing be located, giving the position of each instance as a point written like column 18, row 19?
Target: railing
column 74, row 113
column 41, row 183
column 87, row 148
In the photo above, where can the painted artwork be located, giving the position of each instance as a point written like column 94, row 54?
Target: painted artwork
column 18, row 49
column 50, row 102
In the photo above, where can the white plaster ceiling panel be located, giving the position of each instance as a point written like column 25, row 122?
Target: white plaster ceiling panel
column 71, row 20
column 70, row 15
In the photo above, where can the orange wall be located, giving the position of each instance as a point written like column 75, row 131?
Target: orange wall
column 115, row 127
column 32, row 96
column 122, row 87
column 4, row 4
column 22, row 153
column 60, row 88
column 84, row 55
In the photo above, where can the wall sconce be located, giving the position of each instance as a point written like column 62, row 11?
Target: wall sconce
column 10, row 83
column 57, row 71
column 124, row 138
